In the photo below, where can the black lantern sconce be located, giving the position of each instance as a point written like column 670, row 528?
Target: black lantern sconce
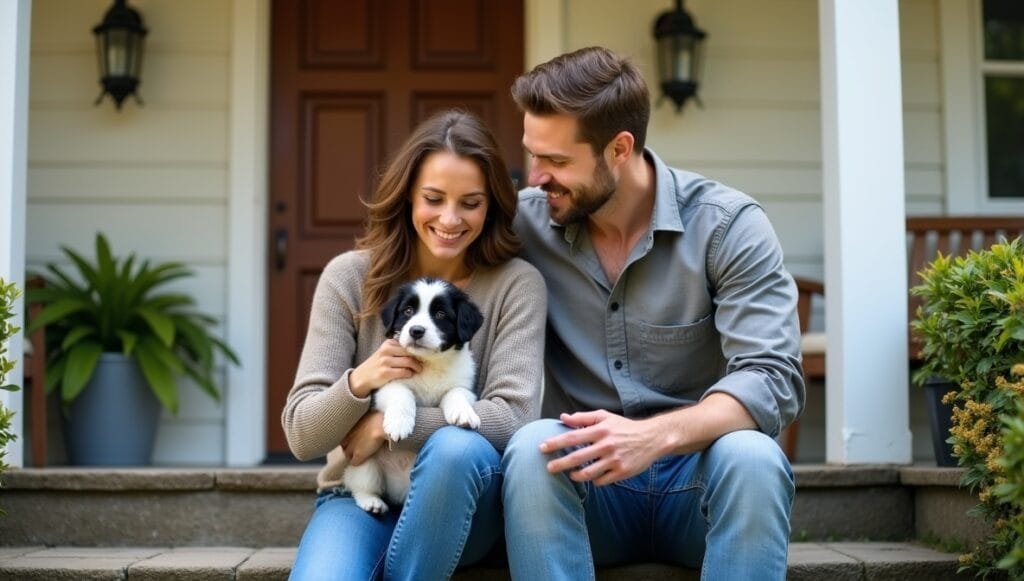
column 119, row 50
column 680, row 46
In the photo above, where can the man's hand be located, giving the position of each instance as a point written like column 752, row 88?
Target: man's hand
column 614, row 447
column 365, row 438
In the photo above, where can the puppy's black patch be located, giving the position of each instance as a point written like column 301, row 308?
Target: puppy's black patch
column 450, row 311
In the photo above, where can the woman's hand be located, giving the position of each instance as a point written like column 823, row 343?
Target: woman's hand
column 365, row 438
column 388, row 363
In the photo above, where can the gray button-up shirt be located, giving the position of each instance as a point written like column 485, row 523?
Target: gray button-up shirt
column 703, row 305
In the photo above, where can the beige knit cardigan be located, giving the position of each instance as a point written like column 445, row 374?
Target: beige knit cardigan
column 509, row 352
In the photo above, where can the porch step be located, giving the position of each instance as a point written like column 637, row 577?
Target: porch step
column 164, row 507
column 812, row 561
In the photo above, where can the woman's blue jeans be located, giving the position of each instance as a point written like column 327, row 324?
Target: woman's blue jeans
column 724, row 510
column 451, row 517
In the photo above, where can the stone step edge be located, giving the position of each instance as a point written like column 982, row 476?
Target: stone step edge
column 249, row 563
column 303, row 478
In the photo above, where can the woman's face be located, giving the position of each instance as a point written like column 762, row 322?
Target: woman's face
column 449, row 207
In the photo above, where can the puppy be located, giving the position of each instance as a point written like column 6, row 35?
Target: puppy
column 434, row 321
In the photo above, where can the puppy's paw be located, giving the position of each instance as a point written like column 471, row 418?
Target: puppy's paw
column 398, row 423
column 371, row 503
column 461, row 413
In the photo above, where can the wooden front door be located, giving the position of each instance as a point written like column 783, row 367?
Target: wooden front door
column 349, row 79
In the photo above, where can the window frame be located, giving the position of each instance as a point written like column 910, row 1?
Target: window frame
column 963, row 92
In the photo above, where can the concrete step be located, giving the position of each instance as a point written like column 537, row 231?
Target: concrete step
column 811, row 561
column 159, row 507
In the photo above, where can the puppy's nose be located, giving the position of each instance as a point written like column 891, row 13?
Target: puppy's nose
column 417, row 332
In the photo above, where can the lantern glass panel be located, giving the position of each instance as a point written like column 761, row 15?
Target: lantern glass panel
column 676, row 58
column 117, row 53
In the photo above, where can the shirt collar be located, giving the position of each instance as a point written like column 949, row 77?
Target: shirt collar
column 665, row 216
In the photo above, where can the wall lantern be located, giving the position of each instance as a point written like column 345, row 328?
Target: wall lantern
column 680, row 46
column 119, row 50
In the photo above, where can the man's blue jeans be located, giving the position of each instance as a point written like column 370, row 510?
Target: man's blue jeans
column 724, row 510
column 452, row 516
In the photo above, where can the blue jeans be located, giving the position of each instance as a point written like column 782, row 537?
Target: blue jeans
column 724, row 510
column 451, row 517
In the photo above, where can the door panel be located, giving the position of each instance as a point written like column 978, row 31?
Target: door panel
column 349, row 80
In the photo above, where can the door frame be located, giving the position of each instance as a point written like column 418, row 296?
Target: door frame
column 245, row 395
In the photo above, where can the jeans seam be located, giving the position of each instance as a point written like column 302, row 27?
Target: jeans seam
column 467, row 525
column 652, row 478
column 582, row 507
column 397, row 530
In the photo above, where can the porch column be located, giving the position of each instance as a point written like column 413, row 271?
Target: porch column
column 14, row 34
column 866, row 409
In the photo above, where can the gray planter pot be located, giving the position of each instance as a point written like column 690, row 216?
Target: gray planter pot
column 940, row 419
column 113, row 421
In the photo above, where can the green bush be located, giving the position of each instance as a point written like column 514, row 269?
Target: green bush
column 8, row 293
column 114, row 306
column 1010, row 490
column 972, row 326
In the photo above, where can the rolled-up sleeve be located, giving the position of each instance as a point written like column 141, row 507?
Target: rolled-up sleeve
column 755, row 314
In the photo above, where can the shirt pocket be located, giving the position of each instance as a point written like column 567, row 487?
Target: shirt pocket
column 681, row 360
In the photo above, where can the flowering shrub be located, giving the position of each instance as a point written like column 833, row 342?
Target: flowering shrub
column 972, row 326
column 8, row 292
column 1010, row 490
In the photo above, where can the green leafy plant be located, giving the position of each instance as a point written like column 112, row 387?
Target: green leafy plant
column 114, row 306
column 1010, row 489
column 8, row 293
column 972, row 326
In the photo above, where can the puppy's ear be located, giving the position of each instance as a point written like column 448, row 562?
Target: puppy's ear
column 469, row 318
column 389, row 313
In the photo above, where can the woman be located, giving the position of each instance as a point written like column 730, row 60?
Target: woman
column 444, row 208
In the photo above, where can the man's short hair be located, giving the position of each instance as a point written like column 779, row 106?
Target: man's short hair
column 602, row 90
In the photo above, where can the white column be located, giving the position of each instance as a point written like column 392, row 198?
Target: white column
column 866, row 409
column 15, row 24
column 246, row 393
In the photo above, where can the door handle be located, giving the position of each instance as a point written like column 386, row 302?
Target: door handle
column 280, row 248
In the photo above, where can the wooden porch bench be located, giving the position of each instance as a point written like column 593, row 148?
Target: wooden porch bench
column 926, row 237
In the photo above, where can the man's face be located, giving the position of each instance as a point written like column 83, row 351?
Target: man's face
column 577, row 182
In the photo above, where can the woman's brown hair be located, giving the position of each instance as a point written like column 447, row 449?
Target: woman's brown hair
column 389, row 235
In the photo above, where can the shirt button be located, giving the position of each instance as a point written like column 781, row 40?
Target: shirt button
column 615, row 307
column 618, row 364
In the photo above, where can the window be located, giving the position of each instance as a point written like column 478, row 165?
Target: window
column 1002, row 69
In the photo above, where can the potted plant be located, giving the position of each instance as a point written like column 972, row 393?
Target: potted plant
column 117, row 343
column 8, row 293
column 971, row 323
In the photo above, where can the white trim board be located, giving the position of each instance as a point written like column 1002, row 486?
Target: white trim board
column 15, row 28
column 246, row 393
column 966, row 179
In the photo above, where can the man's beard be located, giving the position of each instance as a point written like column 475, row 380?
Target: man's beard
column 586, row 199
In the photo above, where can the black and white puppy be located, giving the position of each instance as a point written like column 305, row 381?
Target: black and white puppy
column 434, row 321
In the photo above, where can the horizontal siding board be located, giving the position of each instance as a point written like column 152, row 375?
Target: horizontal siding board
column 71, row 80
column 132, row 136
column 62, row 25
column 168, row 232
column 738, row 134
column 122, row 184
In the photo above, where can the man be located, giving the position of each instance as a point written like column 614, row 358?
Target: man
column 672, row 348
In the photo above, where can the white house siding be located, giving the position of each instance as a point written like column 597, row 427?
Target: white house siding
column 760, row 128
column 152, row 178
